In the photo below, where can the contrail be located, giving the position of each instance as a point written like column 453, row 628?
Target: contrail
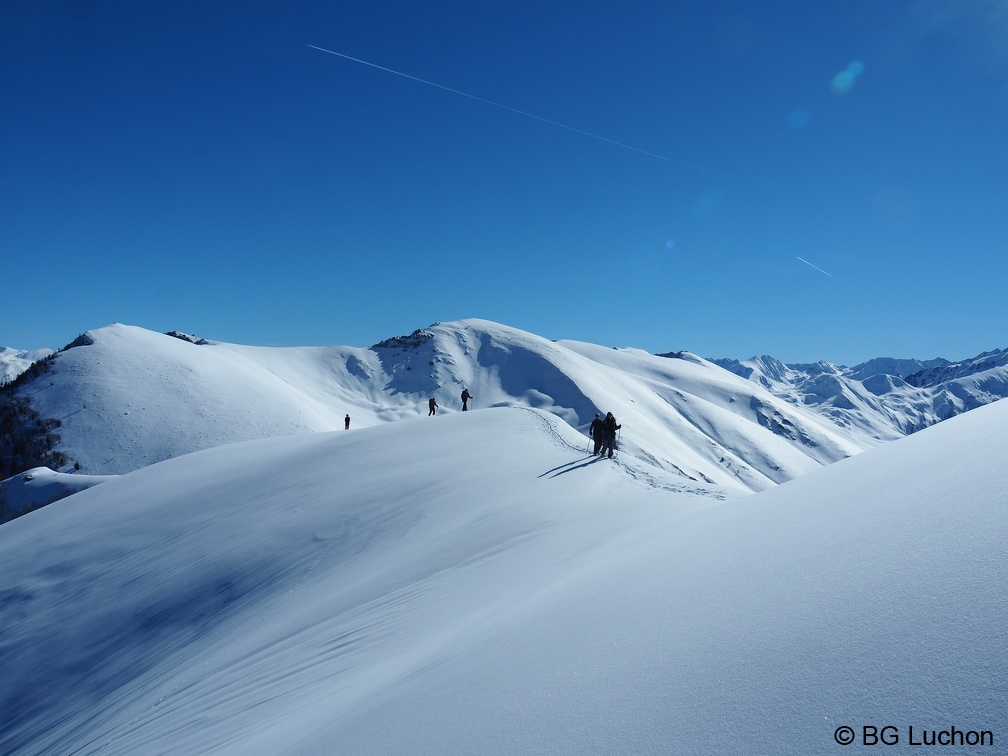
column 515, row 110
column 822, row 271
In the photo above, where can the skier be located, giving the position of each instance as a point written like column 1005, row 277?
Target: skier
column 595, row 433
column 346, row 423
column 433, row 407
column 466, row 396
column 609, row 428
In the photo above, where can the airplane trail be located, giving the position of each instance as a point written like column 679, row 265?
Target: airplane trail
column 515, row 110
column 822, row 271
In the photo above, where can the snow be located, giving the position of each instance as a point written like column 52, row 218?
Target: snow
column 133, row 397
column 476, row 583
column 13, row 362
column 884, row 398
column 38, row 487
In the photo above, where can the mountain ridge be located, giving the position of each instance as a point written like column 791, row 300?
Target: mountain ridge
column 121, row 397
column 127, row 397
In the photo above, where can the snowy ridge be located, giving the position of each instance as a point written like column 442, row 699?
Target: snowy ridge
column 130, row 397
column 498, row 590
column 936, row 374
column 892, row 366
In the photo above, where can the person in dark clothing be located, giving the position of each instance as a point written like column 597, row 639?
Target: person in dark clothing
column 433, row 407
column 346, row 423
column 466, row 396
column 609, row 428
column 595, row 433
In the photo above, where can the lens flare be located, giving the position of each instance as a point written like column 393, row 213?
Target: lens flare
column 844, row 81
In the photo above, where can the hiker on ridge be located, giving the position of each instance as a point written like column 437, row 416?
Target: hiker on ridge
column 595, row 433
column 466, row 396
column 609, row 428
column 433, row 407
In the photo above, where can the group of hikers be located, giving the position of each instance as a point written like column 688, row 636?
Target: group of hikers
column 433, row 405
column 603, row 433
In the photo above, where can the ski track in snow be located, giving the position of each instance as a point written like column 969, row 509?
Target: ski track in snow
column 642, row 475
column 637, row 472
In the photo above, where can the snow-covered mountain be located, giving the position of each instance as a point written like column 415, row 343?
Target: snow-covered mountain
column 884, row 398
column 119, row 398
column 13, row 362
column 981, row 365
column 125, row 397
column 477, row 583
column 257, row 580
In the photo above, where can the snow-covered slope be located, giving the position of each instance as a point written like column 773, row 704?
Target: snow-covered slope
column 38, row 487
column 129, row 397
column 884, row 398
column 476, row 583
column 13, row 362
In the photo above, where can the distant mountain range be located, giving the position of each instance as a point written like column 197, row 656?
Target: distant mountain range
column 885, row 396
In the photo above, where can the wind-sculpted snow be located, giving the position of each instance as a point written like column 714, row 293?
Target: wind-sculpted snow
column 128, row 397
column 477, row 583
column 204, row 562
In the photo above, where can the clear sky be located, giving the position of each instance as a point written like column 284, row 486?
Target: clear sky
column 805, row 180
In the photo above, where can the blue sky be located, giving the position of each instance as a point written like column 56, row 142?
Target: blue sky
column 826, row 180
